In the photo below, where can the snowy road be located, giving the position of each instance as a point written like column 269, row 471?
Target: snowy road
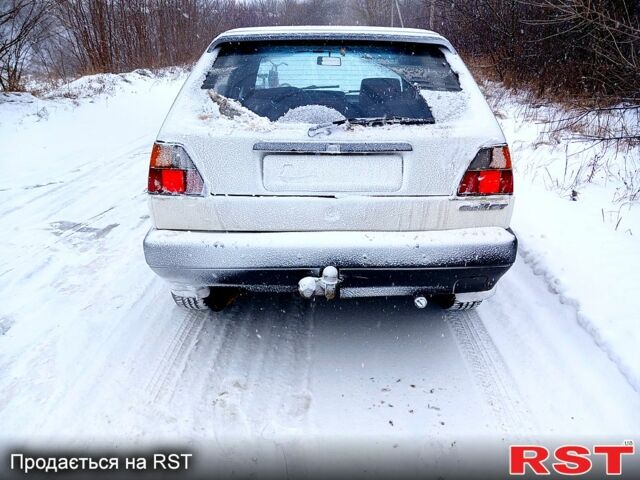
column 92, row 349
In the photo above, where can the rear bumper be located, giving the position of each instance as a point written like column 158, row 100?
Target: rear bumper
column 451, row 261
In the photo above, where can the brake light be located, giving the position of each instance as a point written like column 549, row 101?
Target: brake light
column 171, row 172
column 489, row 173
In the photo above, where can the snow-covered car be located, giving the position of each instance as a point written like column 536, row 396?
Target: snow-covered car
column 336, row 162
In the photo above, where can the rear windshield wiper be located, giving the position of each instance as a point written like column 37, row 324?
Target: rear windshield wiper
column 318, row 87
column 385, row 120
column 369, row 121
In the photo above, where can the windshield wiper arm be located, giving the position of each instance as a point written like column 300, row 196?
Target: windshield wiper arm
column 370, row 121
column 385, row 120
column 318, row 87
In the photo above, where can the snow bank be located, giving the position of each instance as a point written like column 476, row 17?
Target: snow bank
column 573, row 227
column 93, row 114
column 91, row 86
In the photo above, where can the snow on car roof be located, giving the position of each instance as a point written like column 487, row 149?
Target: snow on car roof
column 331, row 32
column 330, row 29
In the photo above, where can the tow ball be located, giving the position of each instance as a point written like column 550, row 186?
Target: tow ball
column 326, row 285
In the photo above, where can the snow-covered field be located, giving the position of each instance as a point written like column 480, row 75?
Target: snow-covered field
column 93, row 351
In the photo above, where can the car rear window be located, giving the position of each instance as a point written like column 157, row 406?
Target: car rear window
column 354, row 80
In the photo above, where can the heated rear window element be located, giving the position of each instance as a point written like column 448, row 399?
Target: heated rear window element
column 321, row 80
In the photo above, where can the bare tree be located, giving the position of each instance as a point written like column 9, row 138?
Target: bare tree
column 21, row 25
column 118, row 35
column 609, row 37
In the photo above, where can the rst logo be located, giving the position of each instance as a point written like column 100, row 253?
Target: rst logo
column 567, row 459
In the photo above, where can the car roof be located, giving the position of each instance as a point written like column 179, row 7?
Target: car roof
column 314, row 32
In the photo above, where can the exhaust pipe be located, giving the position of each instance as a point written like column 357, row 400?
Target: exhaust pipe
column 420, row 302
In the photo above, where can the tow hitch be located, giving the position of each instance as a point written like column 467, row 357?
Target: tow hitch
column 325, row 285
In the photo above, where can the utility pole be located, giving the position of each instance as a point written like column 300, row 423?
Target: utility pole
column 392, row 14
column 399, row 13
column 431, row 12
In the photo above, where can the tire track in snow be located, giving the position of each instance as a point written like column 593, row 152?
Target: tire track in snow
column 88, row 175
column 554, row 286
column 247, row 369
column 555, row 362
column 175, row 353
column 489, row 371
column 285, row 363
column 262, row 372
column 48, row 205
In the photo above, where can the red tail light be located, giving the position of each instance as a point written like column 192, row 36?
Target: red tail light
column 171, row 172
column 489, row 174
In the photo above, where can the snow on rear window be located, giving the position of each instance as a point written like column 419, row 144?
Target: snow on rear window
column 312, row 114
column 363, row 80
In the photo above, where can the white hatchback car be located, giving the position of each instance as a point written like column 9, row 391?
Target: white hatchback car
column 336, row 162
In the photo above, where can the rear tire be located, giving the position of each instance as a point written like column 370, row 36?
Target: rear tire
column 450, row 302
column 464, row 305
column 218, row 299
column 190, row 303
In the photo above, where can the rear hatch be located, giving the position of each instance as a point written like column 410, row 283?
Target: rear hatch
column 341, row 120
